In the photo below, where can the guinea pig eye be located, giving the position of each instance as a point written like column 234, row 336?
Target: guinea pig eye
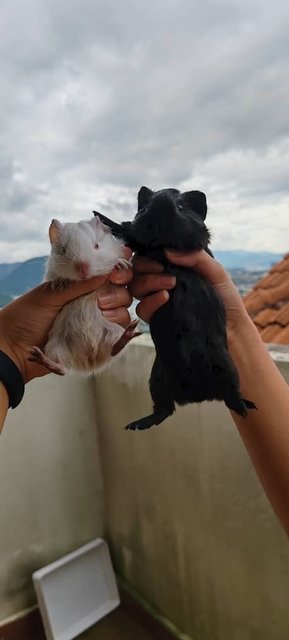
column 62, row 250
column 180, row 207
column 96, row 246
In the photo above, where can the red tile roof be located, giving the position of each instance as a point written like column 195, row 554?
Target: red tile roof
column 268, row 304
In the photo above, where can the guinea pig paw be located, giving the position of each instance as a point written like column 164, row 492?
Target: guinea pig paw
column 131, row 427
column 123, row 264
column 37, row 355
column 128, row 334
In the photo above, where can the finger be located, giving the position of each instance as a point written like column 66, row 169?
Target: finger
column 144, row 284
column 119, row 315
column 147, row 307
column 127, row 252
column 115, row 297
column 146, row 265
column 202, row 262
column 121, row 276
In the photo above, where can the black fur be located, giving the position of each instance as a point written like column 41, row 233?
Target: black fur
column 189, row 332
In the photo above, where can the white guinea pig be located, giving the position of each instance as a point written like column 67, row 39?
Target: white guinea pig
column 81, row 338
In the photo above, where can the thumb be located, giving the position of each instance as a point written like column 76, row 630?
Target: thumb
column 202, row 262
column 73, row 289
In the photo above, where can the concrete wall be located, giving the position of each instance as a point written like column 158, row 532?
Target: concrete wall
column 51, row 496
column 189, row 525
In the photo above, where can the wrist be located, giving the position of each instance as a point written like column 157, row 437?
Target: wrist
column 11, row 379
column 243, row 333
column 4, row 398
column 15, row 353
column 4, row 404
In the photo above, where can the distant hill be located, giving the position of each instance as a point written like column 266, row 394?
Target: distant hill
column 23, row 277
column 4, row 299
column 5, row 269
column 18, row 277
column 250, row 260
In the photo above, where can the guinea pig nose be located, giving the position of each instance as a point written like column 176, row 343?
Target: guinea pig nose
column 82, row 269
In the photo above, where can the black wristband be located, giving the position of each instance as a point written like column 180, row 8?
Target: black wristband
column 12, row 380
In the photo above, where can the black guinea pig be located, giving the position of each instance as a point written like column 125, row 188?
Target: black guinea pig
column 192, row 361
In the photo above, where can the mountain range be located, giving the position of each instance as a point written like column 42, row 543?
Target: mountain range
column 18, row 277
column 21, row 276
column 248, row 260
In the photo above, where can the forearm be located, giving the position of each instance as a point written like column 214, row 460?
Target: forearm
column 265, row 432
column 3, row 405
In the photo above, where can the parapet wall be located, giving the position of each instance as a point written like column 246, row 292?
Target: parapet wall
column 188, row 523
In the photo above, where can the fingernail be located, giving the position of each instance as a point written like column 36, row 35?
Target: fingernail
column 109, row 313
column 106, row 298
column 168, row 281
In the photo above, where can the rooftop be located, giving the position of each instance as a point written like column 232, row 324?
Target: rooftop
column 268, row 304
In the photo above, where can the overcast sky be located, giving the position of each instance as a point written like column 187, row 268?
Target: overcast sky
column 101, row 96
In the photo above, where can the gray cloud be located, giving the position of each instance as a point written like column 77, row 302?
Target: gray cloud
column 101, row 97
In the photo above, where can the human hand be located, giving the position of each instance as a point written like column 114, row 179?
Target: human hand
column 150, row 285
column 149, row 278
column 26, row 321
column 114, row 302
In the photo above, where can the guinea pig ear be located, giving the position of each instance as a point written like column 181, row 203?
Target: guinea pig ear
column 196, row 200
column 144, row 196
column 55, row 231
column 96, row 221
column 97, row 224
column 114, row 227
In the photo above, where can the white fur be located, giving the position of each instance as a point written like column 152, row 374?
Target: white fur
column 78, row 239
column 81, row 338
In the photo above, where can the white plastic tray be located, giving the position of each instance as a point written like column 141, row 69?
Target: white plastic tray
column 76, row 591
